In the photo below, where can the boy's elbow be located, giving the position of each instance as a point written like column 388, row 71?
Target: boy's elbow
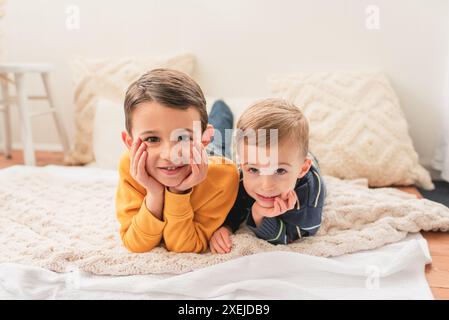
column 135, row 247
column 138, row 249
column 179, row 247
column 313, row 231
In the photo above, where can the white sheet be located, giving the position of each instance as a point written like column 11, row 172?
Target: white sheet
column 395, row 271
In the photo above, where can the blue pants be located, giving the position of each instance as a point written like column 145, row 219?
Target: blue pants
column 221, row 118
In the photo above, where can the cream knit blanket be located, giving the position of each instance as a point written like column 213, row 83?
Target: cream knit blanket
column 63, row 221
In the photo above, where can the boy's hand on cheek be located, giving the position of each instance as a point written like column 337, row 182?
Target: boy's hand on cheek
column 199, row 165
column 280, row 206
column 138, row 169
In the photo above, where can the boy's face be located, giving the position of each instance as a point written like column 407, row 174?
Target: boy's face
column 165, row 131
column 264, row 182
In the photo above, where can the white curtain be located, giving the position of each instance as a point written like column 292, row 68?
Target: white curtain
column 441, row 159
column 2, row 33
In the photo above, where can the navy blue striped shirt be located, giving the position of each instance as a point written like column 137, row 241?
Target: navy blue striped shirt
column 291, row 225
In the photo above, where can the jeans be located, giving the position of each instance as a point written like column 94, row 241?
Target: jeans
column 221, row 118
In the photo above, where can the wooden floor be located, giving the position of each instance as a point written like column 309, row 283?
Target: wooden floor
column 42, row 158
column 437, row 273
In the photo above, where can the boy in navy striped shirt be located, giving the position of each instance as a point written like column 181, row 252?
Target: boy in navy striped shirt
column 281, row 193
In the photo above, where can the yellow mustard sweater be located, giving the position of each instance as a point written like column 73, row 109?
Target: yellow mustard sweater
column 189, row 220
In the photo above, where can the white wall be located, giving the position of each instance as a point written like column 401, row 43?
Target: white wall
column 238, row 43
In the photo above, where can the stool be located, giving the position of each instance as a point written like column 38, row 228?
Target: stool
column 19, row 70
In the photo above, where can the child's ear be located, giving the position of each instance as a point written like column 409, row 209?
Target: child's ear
column 207, row 135
column 305, row 168
column 127, row 139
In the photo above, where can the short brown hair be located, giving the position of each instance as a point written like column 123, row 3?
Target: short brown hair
column 278, row 114
column 170, row 88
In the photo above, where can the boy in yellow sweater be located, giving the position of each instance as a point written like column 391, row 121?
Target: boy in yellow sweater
column 169, row 190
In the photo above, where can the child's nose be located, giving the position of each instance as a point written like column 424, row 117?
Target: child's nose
column 165, row 151
column 266, row 184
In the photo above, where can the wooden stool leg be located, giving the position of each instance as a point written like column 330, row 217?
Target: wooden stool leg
column 7, row 118
column 58, row 121
column 25, row 121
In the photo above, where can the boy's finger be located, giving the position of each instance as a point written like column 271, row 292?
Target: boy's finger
column 277, row 206
column 204, row 157
column 217, row 249
column 137, row 158
column 135, row 145
column 206, row 137
column 196, row 142
column 282, row 205
column 196, row 156
column 275, row 209
column 221, row 244
column 201, row 154
column 141, row 166
column 195, row 171
column 284, row 196
column 227, row 239
column 285, row 204
column 291, row 200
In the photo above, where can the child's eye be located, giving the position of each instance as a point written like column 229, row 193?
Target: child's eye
column 152, row 139
column 281, row 171
column 184, row 138
column 252, row 170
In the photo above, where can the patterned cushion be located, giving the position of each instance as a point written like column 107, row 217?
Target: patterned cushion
column 109, row 79
column 357, row 127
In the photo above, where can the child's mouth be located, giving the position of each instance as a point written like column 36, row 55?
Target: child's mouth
column 172, row 170
column 265, row 198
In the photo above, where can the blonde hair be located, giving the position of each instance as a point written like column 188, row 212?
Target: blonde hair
column 275, row 114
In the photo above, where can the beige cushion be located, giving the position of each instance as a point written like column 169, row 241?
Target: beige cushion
column 109, row 79
column 109, row 123
column 357, row 127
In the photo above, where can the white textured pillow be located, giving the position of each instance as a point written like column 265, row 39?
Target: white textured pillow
column 107, row 142
column 109, row 78
column 357, row 127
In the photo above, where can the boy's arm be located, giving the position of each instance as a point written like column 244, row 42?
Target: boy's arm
column 275, row 229
column 303, row 222
column 238, row 212
column 271, row 229
column 189, row 231
column 140, row 230
column 308, row 217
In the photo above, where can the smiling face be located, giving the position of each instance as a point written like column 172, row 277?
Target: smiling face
column 165, row 132
column 264, row 182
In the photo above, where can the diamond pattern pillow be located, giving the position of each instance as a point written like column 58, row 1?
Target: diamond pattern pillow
column 357, row 127
column 109, row 79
